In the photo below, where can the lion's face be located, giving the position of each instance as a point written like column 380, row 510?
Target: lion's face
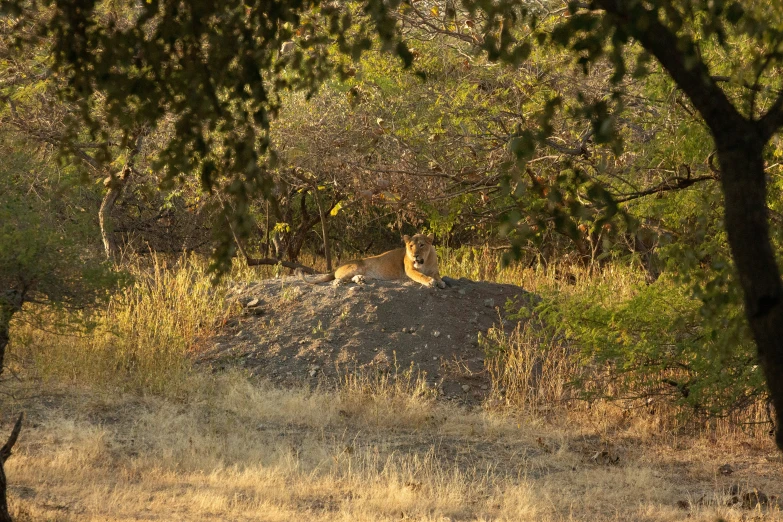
column 418, row 249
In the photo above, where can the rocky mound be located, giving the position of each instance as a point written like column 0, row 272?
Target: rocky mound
column 290, row 331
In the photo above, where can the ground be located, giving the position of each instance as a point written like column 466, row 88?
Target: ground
column 228, row 448
column 291, row 331
column 296, row 411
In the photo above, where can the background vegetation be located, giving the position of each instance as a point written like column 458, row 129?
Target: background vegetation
column 542, row 145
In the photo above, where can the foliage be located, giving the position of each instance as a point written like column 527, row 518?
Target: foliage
column 220, row 79
column 543, row 155
column 44, row 237
column 657, row 343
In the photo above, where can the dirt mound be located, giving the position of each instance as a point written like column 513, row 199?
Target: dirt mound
column 290, row 331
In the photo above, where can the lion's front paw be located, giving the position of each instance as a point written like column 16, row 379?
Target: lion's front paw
column 431, row 283
column 358, row 279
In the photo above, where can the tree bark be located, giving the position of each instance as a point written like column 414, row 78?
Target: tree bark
column 5, row 452
column 744, row 188
column 11, row 301
column 297, row 237
column 114, row 185
column 6, row 312
column 266, row 242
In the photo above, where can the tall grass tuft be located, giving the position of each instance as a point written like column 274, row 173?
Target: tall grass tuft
column 143, row 336
column 398, row 396
column 531, row 367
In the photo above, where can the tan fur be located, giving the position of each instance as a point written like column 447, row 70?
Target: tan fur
column 392, row 265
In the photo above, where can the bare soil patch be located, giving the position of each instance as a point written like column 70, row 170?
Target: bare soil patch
column 290, row 331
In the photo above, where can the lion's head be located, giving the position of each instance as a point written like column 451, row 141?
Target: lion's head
column 419, row 249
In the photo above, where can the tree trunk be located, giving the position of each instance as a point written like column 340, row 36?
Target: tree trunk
column 5, row 452
column 324, row 229
column 11, row 301
column 114, row 185
column 6, row 312
column 266, row 242
column 744, row 189
column 740, row 143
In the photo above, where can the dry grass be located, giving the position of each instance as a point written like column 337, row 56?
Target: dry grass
column 120, row 427
column 484, row 264
column 140, row 340
column 532, row 366
column 236, row 450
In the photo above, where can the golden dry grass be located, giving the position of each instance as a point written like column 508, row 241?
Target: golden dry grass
column 231, row 449
column 121, row 427
column 142, row 337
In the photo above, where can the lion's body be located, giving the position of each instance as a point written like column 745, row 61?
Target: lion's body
column 417, row 261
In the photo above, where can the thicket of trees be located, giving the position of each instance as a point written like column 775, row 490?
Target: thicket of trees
column 600, row 132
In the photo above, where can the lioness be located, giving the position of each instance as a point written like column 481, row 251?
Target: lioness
column 417, row 260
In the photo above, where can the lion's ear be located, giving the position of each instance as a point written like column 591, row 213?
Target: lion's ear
column 431, row 238
column 405, row 239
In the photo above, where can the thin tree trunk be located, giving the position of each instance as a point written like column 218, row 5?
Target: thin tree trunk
column 115, row 185
column 5, row 452
column 266, row 242
column 322, row 215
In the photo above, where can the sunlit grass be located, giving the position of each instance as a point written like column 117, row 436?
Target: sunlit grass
column 133, row 432
column 141, row 339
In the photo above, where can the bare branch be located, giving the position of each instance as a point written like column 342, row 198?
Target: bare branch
column 773, row 119
column 252, row 261
column 5, row 451
column 668, row 185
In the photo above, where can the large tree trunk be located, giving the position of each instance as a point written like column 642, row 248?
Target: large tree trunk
column 744, row 188
column 740, row 143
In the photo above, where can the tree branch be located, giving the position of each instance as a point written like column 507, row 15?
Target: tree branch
column 692, row 77
column 5, row 451
column 773, row 119
column 668, row 185
column 253, row 261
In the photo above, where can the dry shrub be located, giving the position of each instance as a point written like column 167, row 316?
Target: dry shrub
column 142, row 337
column 530, row 367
